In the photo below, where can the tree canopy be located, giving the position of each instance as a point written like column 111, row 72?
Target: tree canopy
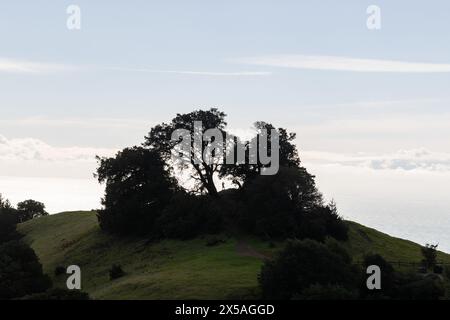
column 142, row 195
column 30, row 209
column 138, row 187
column 203, row 172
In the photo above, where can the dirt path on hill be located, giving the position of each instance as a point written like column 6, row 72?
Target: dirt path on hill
column 244, row 249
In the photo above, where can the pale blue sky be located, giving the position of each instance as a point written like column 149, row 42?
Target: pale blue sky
column 371, row 108
column 213, row 36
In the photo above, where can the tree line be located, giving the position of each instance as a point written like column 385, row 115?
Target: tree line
column 144, row 196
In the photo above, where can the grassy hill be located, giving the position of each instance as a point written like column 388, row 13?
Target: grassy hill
column 174, row 269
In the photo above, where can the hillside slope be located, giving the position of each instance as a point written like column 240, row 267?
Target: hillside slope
column 173, row 269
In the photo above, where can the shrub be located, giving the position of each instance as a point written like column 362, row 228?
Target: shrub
column 8, row 221
column 20, row 271
column 388, row 278
column 303, row 264
column 189, row 216
column 214, row 241
column 420, row 288
column 138, row 187
column 288, row 205
column 59, row 270
column 116, row 272
column 438, row 269
column 429, row 254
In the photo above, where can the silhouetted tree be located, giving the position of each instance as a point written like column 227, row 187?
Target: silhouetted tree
column 303, row 264
column 240, row 174
column 20, row 271
column 188, row 216
column 30, row 209
column 4, row 203
column 8, row 221
column 203, row 172
column 138, row 187
column 429, row 254
column 278, row 205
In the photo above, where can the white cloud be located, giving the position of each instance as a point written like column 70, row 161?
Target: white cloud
column 34, row 149
column 195, row 73
column 407, row 160
column 334, row 63
column 8, row 65
column 22, row 66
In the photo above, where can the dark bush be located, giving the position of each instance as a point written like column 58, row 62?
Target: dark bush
column 188, row 216
column 303, row 264
column 388, row 278
column 138, row 187
column 116, row 272
column 420, row 288
column 288, row 205
column 438, row 269
column 59, row 270
column 214, row 241
column 8, row 222
column 20, row 271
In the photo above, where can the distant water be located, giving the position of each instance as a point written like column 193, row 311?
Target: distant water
column 413, row 205
column 58, row 194
column 410, row 205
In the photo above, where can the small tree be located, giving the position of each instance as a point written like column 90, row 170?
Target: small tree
column 8, row 221
column 429, row 254
column 20, row 271
column 30, row 209
column 303, row 264
column 4, row 203
column 138, row 187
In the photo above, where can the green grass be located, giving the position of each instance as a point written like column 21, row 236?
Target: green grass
column 364, row 240
column 165, row 270
column 171, row 269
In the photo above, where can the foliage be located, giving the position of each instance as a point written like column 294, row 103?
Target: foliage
column 173, row 269
column 288, row 204
column 241, row 174
column 8, row 221
column 30, row 209
column 116, row 272
column 414, row 287
column 20, row 271
column 59, row 270
column 188, row 216
column 4, row 203
column 429, row 254
column 160, row 140
column 138, row 187
column 305, row 263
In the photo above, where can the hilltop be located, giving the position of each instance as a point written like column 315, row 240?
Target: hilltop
column 209, row 267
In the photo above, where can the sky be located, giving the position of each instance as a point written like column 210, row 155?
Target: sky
column 371, row 108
